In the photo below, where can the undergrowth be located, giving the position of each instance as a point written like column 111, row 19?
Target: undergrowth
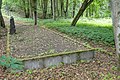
column 10, row 63
column 94, row 30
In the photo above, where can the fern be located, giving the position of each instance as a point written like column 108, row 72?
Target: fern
column 10, row 62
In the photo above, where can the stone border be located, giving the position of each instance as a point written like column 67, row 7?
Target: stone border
column 56, row 59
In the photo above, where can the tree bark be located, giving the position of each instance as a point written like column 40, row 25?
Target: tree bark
column 34, row 9
column 115, row 8
column 62, row 7
column 30, row 9
column 26, row 8
column 57, row 9
column 45, row 2
column 74, row 6
column 85, row 4
column 2, row 23
column 54, row 9
column 66, row 10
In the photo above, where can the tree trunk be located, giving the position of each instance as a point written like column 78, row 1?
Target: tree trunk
column 30, row 9
column 66, row 11
column 62, row 7
column 26, row 8
column 85, row 4
column 74, row 6
column 57, row 9
column 115, row 8
column 2, row 23
column 35, row 13
column 34, row 9
column 54, row 9
column 45, row 2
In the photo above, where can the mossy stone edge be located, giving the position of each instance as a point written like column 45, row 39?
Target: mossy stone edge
column 55, row 54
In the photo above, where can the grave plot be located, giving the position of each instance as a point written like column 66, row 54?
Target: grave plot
column 40, row 47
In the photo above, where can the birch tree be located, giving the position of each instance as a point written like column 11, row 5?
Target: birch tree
column 115, row 8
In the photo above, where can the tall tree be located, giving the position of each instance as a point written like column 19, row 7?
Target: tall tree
column 57, row 8
column 74, row 7
column 51, row 7
column 62, row 7
column 115, row 8
column 54, row 9
column 26, row 8
column 66, row 10
column 2, row 23
column 45, row 4
column 30, row 9
column 34, row 9
column 85, row 4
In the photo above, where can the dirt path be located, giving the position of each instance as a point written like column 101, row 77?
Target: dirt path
column 33, row 41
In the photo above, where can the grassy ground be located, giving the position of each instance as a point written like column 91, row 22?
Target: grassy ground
column 96, row 30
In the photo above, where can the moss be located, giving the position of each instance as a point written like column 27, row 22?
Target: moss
column 55, row 54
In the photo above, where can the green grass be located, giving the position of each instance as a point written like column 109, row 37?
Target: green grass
column 96, row 30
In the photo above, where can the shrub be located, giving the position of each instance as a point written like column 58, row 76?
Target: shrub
column 11, row 63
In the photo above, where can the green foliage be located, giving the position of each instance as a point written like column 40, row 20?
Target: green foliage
column 114, row 68
column 118, row 77
column 86, row 29
column 108, row 76
column 99, row 8
column 29, row 71
column 10, row 63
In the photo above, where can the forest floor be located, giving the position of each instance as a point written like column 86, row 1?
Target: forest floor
column 30, row 41
column 103, row 67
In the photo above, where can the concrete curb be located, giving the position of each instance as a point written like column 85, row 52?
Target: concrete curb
column 56, row 59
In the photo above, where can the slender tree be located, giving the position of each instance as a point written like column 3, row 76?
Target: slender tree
column 54, row 9
column 51, row 7
column 66, row 10
column 85, row 4
column 30, row 9
column 62, row 7
column 74, row 7
column 57, row 8
column 2, row 23
column 115, row 8
column 26, row 8
column 45, row 4
column 34, row 9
